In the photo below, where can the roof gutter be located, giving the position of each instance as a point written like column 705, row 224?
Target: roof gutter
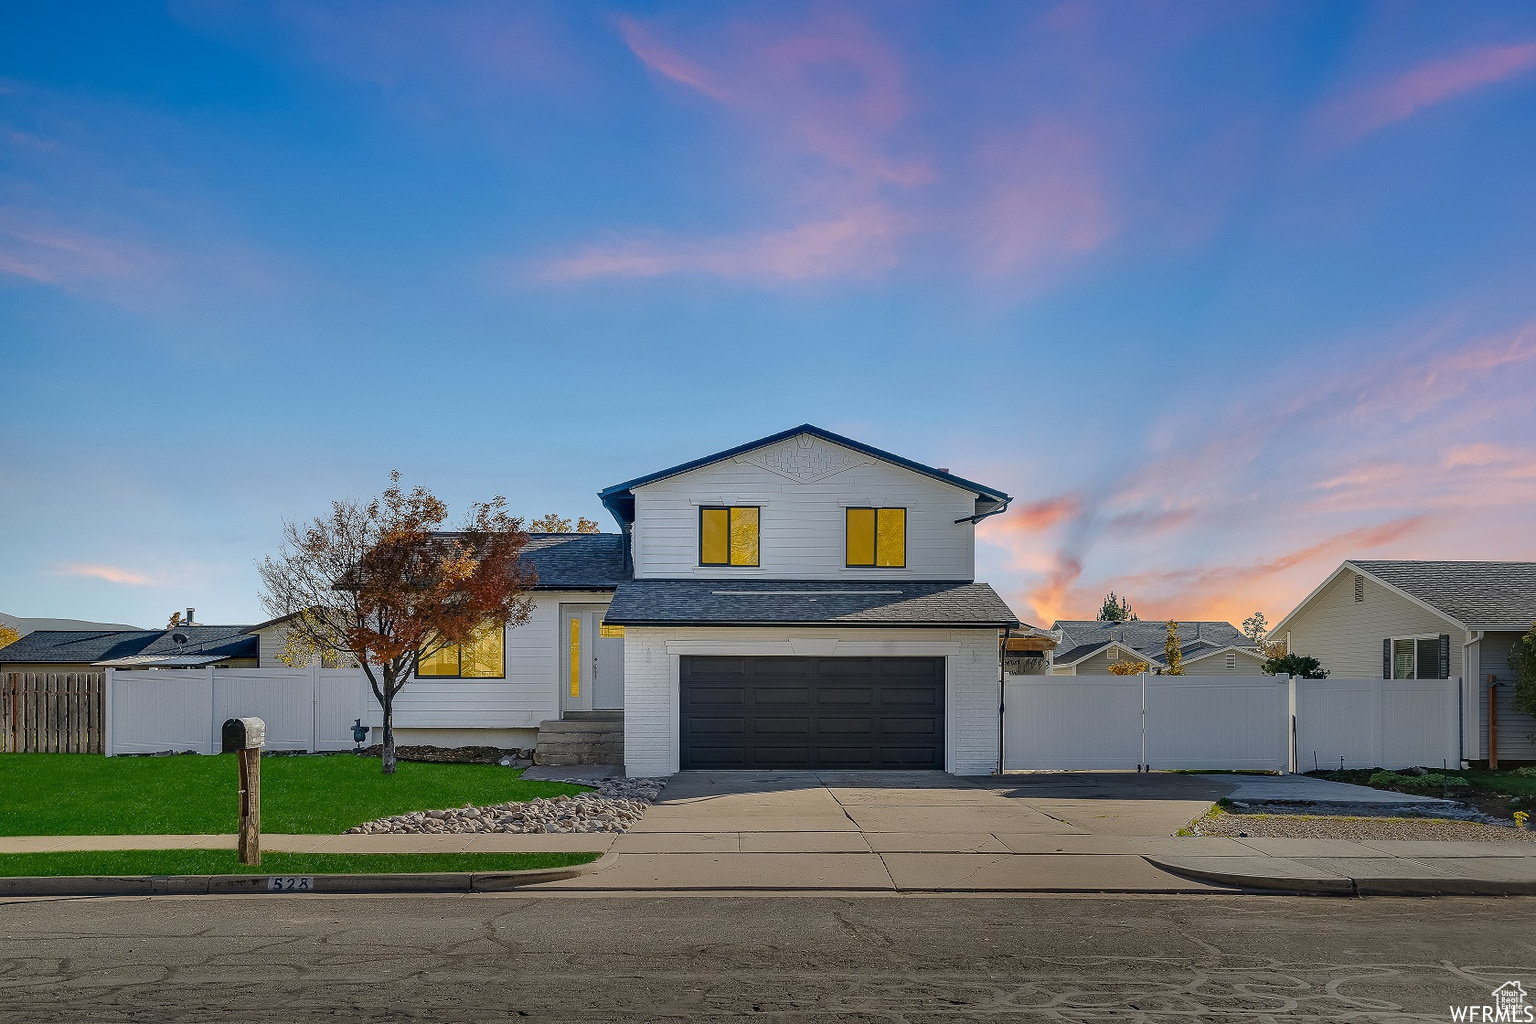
column 1007, row 500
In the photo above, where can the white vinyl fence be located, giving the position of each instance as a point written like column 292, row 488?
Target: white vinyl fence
column 1369, row 723
column 152, row 710
column 1228, row 722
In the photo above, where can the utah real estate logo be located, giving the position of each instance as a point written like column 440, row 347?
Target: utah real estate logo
column 1508, row 1005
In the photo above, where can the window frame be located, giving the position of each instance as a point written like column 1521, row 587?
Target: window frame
column 1416, row 639
column 459, row 648
column 906, row 518
column 729, row 553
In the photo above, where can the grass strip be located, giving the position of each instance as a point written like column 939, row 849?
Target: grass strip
column 225, row 862
column 91, row 795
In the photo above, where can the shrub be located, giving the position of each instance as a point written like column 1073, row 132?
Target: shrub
column 1429, row 780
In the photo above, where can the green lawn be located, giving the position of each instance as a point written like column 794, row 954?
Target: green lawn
column 224, row 862
column 87, row 794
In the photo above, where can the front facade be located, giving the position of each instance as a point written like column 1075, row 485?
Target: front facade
column 1091, row 647
column 803, row 601
column 807, row 602
column 1428, row 620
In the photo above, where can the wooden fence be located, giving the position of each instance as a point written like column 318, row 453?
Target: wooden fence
column 52, row 712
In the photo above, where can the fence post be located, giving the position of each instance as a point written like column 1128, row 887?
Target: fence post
column 215, row 727
column 106, row 713
column 314, row 705
column 1144, row 766
column 1290, row 741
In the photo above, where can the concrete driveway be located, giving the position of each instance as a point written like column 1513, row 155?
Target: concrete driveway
column 905, row 831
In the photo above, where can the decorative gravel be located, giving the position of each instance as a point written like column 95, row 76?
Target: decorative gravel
column 1319, row 826
column 614, row 806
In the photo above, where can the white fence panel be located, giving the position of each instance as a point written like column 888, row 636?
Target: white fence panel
column 284, row 699
column 1218, row 722
column 153, row 711
column 1072, row 722
column 342, row 697
column 1377, row 723
column 185, row 709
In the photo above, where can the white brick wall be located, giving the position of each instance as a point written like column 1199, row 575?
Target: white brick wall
column 651, row 665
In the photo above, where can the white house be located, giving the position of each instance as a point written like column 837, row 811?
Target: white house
column 801, row 601
column 1428, row 620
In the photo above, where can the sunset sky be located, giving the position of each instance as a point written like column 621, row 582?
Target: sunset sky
column 1224, row 293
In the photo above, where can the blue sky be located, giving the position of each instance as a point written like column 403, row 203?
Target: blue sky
column 1224, row 293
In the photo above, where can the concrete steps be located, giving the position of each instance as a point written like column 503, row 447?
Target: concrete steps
column 581, row 737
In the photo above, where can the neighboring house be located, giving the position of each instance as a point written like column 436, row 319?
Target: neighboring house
column 1426, row 620
column 801, row 601
column 1090, row 647
column 82, row 650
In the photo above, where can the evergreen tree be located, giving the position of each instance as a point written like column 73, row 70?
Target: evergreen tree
column 1116, row 609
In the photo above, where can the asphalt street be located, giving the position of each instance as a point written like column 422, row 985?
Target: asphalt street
column 558, row 958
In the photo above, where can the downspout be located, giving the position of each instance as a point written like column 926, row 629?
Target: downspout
column 1002, row 694
column 1473, row 636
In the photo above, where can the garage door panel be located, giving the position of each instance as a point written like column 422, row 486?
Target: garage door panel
column 706, row 727
column 776, row 694
column 780, row 726
column 860, row 696
column 799, row 712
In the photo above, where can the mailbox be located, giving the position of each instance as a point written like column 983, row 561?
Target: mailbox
column 244, row 734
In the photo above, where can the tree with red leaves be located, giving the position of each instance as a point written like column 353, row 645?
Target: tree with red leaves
column 382, row 583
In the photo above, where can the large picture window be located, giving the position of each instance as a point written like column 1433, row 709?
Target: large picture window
column 485, row 657
column 728, row 535
column 877, row 537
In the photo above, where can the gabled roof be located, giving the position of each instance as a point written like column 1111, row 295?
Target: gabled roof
column 807, row 602
column 89, row 646
column 1083, row 638
column 620, row 500
column 1480, row 595
column 1244, row 649
column 1471, row 595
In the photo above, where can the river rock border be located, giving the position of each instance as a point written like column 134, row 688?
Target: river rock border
column 614, row 806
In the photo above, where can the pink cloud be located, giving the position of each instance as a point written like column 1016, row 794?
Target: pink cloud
column 856, row 242
column 1358, row 114
column 110, row 573
column 1048, row 201
column 32, row 249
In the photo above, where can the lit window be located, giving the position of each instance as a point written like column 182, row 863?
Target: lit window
column 877, row 537
column 484, row 657
column 728, row 535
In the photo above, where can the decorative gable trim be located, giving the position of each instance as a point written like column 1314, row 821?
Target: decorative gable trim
column 805, row 460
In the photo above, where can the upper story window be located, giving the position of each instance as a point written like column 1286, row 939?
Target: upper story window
column 728, row 535
column 485, row 657
column 877, row 537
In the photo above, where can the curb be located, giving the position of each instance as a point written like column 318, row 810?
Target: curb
column 1339, row 885
column 198, row 885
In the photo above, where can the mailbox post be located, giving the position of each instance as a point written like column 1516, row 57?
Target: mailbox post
column 244, row 737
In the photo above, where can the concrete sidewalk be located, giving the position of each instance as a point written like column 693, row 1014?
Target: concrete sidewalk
column 885, row 832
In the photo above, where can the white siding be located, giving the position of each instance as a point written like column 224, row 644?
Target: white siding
column 530, row 693
column 1346, row 636
column 1098, row 665
column 802, row 524
column 651, row 667
column 1517, row 731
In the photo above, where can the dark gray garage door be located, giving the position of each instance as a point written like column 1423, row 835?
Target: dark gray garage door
column 812, row 713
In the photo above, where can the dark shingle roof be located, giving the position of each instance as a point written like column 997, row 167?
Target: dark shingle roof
column 1082, row 637
column 828, row 602
column 1480, row 595
column 620, row 500
column 576, row 561
column 85, row 646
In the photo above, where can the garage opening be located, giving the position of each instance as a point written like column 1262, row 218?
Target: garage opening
column 767, row 713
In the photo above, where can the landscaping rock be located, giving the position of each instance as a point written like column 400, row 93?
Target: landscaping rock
column 615, row 806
